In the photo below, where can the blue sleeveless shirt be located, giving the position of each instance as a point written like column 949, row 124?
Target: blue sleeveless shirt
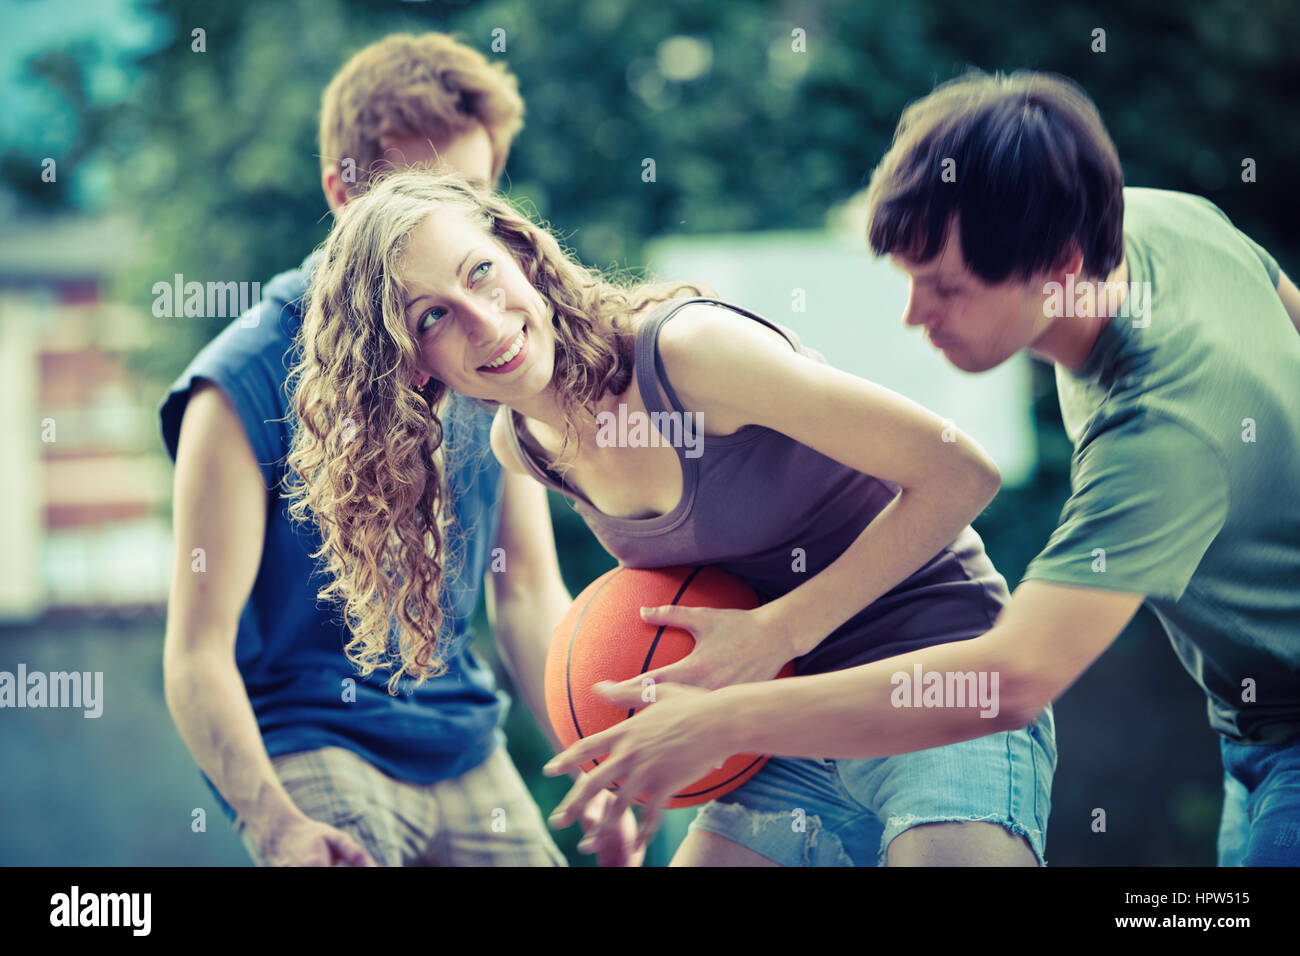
column 289, row 648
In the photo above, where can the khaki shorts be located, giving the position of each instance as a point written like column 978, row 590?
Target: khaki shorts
column 485, row 817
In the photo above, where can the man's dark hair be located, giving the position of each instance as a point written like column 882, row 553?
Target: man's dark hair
column 1032, row 169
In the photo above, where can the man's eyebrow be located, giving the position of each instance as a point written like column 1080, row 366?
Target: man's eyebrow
column 938, row 277
column 928, row 278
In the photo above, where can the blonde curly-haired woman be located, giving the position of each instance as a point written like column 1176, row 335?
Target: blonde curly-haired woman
column 428, row 287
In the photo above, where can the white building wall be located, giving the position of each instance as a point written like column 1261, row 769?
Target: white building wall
column 21, row 497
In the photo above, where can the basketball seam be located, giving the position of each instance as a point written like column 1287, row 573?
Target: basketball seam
column 568, row 661
column 568, row 681
column 654, row 645
column 722, row 783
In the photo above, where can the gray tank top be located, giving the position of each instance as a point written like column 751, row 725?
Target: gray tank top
column 775, row 512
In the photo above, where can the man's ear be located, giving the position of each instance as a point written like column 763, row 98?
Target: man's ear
column 331, row 183
column 1070, row 262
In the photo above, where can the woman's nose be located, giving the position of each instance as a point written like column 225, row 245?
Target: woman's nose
column 482, row 322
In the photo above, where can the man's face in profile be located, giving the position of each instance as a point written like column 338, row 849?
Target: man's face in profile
column 977, row 325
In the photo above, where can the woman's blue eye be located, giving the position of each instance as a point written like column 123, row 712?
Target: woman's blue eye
column 425, row 324
column 476, row 274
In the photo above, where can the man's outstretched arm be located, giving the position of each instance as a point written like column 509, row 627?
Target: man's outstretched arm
column 1044, row 639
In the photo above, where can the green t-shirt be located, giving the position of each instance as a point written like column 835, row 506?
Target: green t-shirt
column 1185, row 482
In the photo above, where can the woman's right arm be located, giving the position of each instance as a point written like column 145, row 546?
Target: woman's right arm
column 526, row 600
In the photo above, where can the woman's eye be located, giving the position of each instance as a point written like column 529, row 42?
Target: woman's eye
column 485, row 266
column 427, row 323
column 945, row 293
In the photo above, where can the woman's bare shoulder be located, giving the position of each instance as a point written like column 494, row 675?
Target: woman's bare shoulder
column 703, row 333
column 502, row 446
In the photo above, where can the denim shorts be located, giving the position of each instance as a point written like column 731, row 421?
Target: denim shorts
column 815, row 812
column 1261, row 804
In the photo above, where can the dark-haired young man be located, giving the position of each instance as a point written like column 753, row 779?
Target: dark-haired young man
column 1177, row 357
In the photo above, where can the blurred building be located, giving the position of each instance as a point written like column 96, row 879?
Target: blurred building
column 83, row 496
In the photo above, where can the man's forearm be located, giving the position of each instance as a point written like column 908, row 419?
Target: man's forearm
column 852, row 713
column 208, row 702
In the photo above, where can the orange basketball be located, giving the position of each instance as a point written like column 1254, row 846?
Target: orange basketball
column 602, row 637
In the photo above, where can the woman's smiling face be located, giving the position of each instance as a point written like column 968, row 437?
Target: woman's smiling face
column 479, row 325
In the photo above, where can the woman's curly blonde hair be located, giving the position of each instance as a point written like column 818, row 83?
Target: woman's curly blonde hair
column 368, row 462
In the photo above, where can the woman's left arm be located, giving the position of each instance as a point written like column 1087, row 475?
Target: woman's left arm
column 738, row 371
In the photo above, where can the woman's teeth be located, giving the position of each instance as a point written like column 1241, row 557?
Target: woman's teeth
column 509, row 353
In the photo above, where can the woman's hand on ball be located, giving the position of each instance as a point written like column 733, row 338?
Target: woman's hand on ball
column 656, row 753
column 731, row 647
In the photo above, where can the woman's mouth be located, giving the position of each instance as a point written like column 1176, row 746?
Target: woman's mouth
column 511, row 358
